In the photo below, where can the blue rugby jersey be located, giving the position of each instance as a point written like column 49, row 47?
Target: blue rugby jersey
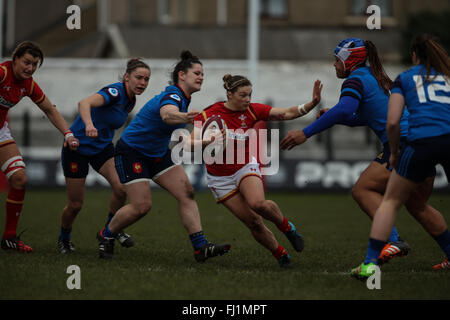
column 362, row 103
column 107, row 118
column 373, row 102
column 148, row 133
column 427, row 102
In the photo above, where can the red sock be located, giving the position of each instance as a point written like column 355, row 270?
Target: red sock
column 284, row 226
column 14, row 204
column 279, row 252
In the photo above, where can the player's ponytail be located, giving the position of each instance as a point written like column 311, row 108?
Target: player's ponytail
column 186, row 62
column 28, row 47
column 376, row 67
column 431, row 54
column 232, row 83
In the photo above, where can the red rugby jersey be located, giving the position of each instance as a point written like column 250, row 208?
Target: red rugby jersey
column 240, row 122
column 13, row 90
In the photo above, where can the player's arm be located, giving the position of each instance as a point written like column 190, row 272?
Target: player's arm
column 171, row 115
column 84, row 108
column 341, row 113
column 58, row 121
column 395, row 112
column 300, row 110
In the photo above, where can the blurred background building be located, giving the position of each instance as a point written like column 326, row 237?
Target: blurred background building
column 296, row 42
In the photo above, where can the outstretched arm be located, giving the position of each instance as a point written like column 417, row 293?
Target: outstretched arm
column 58, row 121
column 170, row 114
column 341, row 113
column 300, row 110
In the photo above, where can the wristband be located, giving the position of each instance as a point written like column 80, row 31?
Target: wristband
column 67, row 135
column 301, row 109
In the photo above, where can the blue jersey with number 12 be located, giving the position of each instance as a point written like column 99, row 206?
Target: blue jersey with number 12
column 428, row 102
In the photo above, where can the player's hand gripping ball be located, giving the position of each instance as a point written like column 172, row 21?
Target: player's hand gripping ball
column 215, row 129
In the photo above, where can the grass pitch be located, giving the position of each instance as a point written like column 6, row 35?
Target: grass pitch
column 161, row 265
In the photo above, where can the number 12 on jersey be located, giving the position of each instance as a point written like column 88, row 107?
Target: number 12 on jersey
column 431, row 89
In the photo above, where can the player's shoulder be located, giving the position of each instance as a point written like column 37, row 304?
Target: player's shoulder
column 214, row 107
column 114, row 89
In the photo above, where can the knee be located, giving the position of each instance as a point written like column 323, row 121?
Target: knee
column 357, row 192
column 259, row 205
column 18, row 180
column 75, row 206
column 142, row 208
column 189, row 191
column 120, row 192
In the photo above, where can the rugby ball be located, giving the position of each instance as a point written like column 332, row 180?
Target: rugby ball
column 212, row 126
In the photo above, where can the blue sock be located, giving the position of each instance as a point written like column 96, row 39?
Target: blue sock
column 197, row 239
column 65, row 234
column 373, row 250
column 444, row 242
column 110, row 216
column 107, row 233
column 394, row 235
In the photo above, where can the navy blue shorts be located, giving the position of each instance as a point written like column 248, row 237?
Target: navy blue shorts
column 419, row 158
column 133, row 166
column 385, row 154
column 76, row 165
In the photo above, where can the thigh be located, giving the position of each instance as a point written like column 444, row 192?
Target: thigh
column 176, row 182
column 108, row 170
column 252, row 189
column 374, row 177
column 75, row 189
column 139, row 192
column 7, row 152
column 399, row 189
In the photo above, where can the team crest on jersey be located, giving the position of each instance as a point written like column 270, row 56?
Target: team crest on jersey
column 137, row 167
column 113, row 91
column 74, row 167
column 242, row 118
column 175, row 97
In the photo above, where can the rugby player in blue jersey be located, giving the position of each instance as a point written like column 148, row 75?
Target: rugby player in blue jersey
column 142, row 154
column 364, row 102
column 425, row 90
column 100, row 115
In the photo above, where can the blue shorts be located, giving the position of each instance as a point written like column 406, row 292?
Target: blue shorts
column 132, row 166
column 385, row 154
column 419, row 158
column 76, row 165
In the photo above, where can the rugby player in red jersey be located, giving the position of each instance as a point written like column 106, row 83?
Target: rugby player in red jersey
column 238, row 186
column 16, row 82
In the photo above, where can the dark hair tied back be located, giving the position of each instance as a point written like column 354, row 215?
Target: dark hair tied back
column 186, row 62
column 376, row 67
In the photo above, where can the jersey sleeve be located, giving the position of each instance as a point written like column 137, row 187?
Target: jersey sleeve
column 171, row 98
column 3, row 73
column 397, row 86
column 260, row 111
column 110, row 94
column 352, row 87
column 36, row 93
